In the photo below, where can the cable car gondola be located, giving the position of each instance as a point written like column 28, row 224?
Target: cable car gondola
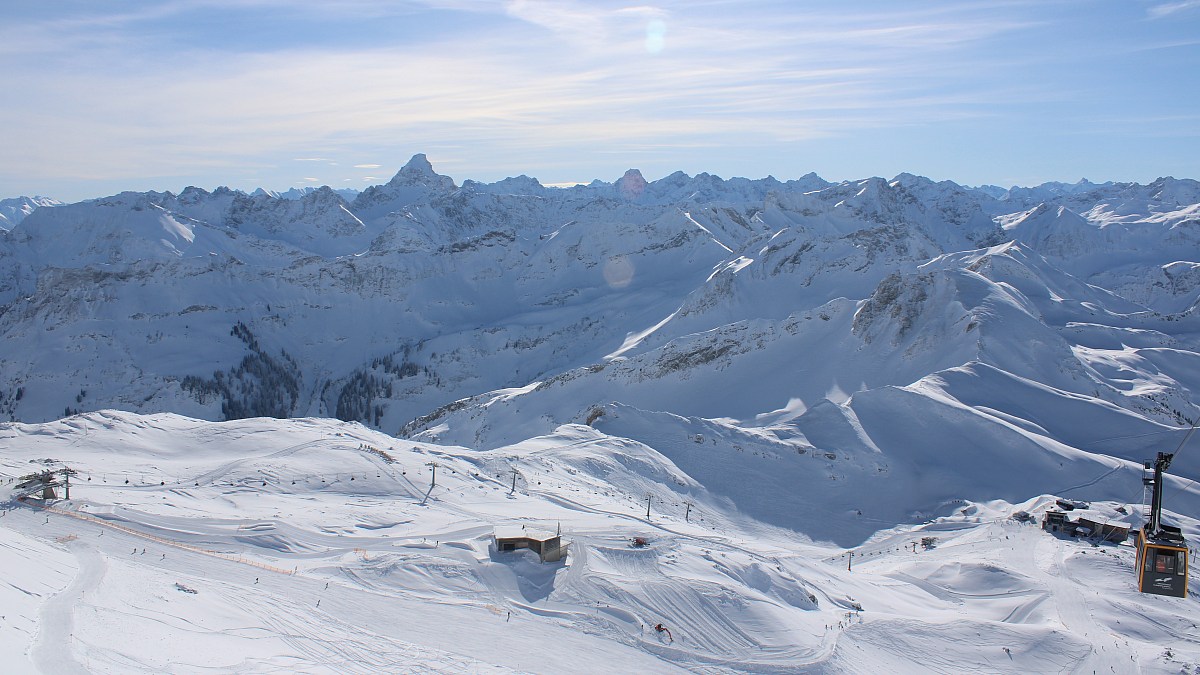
column 1162, row 554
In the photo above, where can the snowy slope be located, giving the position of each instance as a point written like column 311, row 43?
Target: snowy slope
column 320, row 546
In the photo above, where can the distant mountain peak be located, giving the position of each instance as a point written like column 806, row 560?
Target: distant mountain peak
column 419, row 171
column 419, row 163
column 631, row 185
column 522, row 185
column 13, row 211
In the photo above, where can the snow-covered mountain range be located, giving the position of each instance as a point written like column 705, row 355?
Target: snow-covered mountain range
column 801, row 316
column 13, row 211
column 812, row 365
column 297, row 193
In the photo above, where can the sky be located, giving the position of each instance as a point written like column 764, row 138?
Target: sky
column 101, row 96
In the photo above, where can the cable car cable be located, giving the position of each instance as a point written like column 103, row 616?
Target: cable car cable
column 1176, row 453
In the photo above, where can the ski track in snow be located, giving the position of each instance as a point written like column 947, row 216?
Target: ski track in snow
column 54, row 649
column 1118, row 466
column 1073, row 610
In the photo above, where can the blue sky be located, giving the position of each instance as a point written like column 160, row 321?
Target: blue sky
column 104, row 95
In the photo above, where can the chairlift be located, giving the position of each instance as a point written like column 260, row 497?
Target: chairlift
column 1162, row 553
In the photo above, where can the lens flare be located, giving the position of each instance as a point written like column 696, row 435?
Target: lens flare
column 618, row 272
column 656, row 36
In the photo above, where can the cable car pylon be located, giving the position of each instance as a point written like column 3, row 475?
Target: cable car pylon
column 1162, row 553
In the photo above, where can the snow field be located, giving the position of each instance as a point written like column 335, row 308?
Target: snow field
column 390, row 576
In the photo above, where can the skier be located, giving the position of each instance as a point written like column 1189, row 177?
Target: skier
column 663, row 629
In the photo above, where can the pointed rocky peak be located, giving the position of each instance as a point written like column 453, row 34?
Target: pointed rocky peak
column 192, row 195
column 418, row 171
column 809, row 182
column 913, row 187
column 414, row 183
column 910, row 180
column 873, row 185
column 670, row 186
column 631, row 185
column 419, row 164
column 676, row 178
column 707, row 179
column 323, row 193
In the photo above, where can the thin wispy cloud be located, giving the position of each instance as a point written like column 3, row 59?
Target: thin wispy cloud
column 142, row 93
column 1169, row 8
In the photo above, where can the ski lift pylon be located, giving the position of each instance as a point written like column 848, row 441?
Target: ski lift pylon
column 1162, row 553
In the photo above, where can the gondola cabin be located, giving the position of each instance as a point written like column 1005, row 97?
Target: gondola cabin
column 1162, row 554
column 1162, row 563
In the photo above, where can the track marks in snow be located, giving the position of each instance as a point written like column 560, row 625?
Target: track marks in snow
column 52, row 651
column 323, row 640
column 1020, row 614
